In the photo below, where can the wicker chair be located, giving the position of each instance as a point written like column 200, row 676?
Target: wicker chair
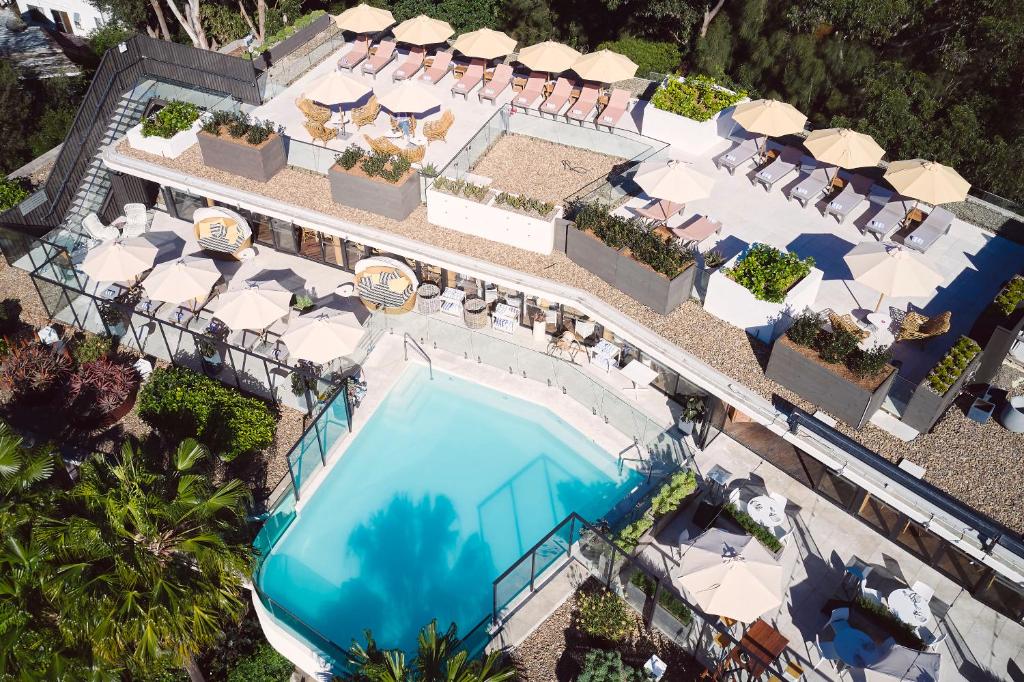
column 318, row 131
column 382, row 145
column 916, row 326
column 846, row 323
column 567, row 342
column 412, row 125
column 313, row 111
column 366, row 114
column 415, row 154
column 437, row 130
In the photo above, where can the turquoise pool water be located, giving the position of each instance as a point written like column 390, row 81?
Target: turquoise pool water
column 442, row 490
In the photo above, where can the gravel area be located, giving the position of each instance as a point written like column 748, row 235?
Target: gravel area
column 15, row 283
column 979, row 464
column 566, row 169
column 539, row 658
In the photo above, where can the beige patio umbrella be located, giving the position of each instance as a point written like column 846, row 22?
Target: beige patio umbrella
column 548, row 56
column 181, row 280
column 409, row 98
column 927, row 181
column 673, row 181
column 769, row 117
column 337, row 88
column 364, row 19
column 891, row 271
column 844, row 148
column 604, row 66
column 120, row 260
column 323, row 335
column 484, row 43
column 730, row 575
column 255, row 306
column 423, row 30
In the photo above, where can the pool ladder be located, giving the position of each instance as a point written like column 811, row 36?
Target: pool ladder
column 406, row 340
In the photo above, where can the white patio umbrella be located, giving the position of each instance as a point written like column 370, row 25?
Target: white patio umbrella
column 673, row 181
column 181, row 280
column 252, row 307
column 730, row 575
column 423, row 30
column 844, row 148
column 120, row 260
column 891, row 271
column 484, row 43
column 548, row 56
column 323, row 335
column 604, row 66
column 927, row 181
column 364, row 19
column 769, row 117
column 409, row 98
column 337, row 88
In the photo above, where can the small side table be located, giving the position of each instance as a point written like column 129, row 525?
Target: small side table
column 655, row 667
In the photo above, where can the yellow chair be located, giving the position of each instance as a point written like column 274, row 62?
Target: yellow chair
column 847, row 324
column 366, row 114
column 916, row 326
column 414, row 154
column 438, row 130
column 382, row 145
column 318, row 131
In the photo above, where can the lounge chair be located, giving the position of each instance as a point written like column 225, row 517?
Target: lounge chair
column 500, row 79
column 558, row 97
column 470, row 79
column 351, row 59
column 743, row 152
column 413, row 63
column 927, row 233
column 138, row 220
column 438, row 69
column 585, row 105
column 384, row 55
column 612, row 113
column 318, row 131
column 917, row 327
column 697, row 231
column 846, row 323
column 366, row 114
column 853, row 195
column 532, row 91
column 97, row 230
column 383, row 145
column 784, row 164
column 566, row 343
column 891, row 214
column 313, row 111
column 659, row 210
column 437, row 130
column 817, row 181
column 414, row 154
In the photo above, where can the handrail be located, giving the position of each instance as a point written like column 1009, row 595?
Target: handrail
column 406, row 340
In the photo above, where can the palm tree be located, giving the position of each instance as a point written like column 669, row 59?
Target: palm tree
column 153, row 561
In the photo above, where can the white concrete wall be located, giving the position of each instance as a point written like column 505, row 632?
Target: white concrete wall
column 685, row 134
column 89, row 17
column 286, row 643
column 763, row 320
column 170, row 148
column 491, row 222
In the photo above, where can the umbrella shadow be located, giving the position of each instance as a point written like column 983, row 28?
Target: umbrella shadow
column 345, row 304
column 286, row 277
column 170, row 246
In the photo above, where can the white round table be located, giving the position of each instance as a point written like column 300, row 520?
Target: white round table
column 766, row 511
column 910, row 607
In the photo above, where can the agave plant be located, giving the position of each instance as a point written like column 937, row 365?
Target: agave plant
column 100, row 387
column 31, row 370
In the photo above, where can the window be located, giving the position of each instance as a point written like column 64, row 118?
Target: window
column 1004, row 597
column 959, row 566
column 184, row 205
column 919, row 541
column 78, row 20
column 879, row 515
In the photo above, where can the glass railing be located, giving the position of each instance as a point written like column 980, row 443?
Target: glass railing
column 311, row 157
column 279, row 76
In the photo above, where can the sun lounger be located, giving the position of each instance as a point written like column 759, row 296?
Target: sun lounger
column 532, row 92
column 500, row 79
column 558, row 97
column 583, row 107
column 697, row 231
column 659, row 210
column 618, row 102
column 351, row 59
column 438, row 69
column 784, row 164
column 739, row 155
column 97, row 230
column 891, row 214
column 474, row 74
column 853, row 195
column 413, row 63
column 817, row 180
column 382, row 57
column 927, row 233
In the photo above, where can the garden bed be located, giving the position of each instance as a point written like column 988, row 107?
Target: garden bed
column 691, row 113
column 378, row 183
column 254, row 161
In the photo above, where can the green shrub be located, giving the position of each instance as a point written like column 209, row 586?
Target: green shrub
column 673, row 493
column 1011, row 295
column 10, row 316
column 760, row 533
column 868, row 363
column 629, row 537
column 263, row 665
column 12, row 192
column 182, row 403
column 696, row 97
column 352, row 155
column 174, row 117
column 91, row 348
column 836, row 346
column 287, row 31
column 396, row 170
column 259, row 132
column 107, row 36
column 523, row 203
column 650, row 56
column 239, row 126
column 903, row 633
column 805, row 329
column 216, row 120
column 223, row 23
column 768, row 273
column 666, row 599
column 607, row 666
column 948, row 370
column 603, row 614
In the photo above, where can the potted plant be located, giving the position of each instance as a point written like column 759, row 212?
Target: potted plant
column 693, row 412
column 302, row 303
column 112, row 317
column 231, row 141
column 385, row 184
column 207, row 347
column 168, row 132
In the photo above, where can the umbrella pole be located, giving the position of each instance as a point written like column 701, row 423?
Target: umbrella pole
column 879, row 304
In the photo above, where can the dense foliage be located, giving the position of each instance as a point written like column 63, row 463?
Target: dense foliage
column 904, row 633
column 12, row 193
column 1010, row 296
column 768, row 273
column 651, row 56
column 696, row 97
column 942, row 377
column 838, row 346
column 180, row 403
column 463, row 188
column 263, row 665
column 32, row 371
column 99, row 388
column 524, row 204
column 603, row 614
column 171, row 119
column 388, row 167
column 91, row 347
column 760, row 533
column 239, row 126
column 288, row 30
column 668, row 498
column 607, row 666
column 35, row 114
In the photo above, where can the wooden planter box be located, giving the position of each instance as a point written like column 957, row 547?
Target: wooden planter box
column 926, row 407
column 830, row 388
column 396, row 201
column 259, row 162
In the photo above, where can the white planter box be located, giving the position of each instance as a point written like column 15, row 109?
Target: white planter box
column 492, row 222
column 694, row 137
column 170, row 148
column 765, row 321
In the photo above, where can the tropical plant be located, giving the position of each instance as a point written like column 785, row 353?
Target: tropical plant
column 671, row 495
column 695, row 97
column 91, row 347
column 948, row 370
column 629, row 537
column 607, row 666
column 263, row 665
column 171, row 119
column 805, row 328
column 760, row 533
column 428, row 170
column 22, row 468
column 100, row 387
column 713, row 258
column 153, row 560
column 768, row 273
column 604, row 614
column 32, row 371
column 302, row 302
column 12, row 192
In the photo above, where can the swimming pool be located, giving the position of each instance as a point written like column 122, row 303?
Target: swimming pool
column 446, row 485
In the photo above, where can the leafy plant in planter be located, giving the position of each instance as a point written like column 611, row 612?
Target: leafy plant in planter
column 259, row 132
column 759, row 532
column 666, row 599
column 806, row 328
column 835, row 346
column 12, row 192
column 868, row 363
column 1011, row 295
column 99, row 388
column 207, row 347
column 696, row 97
column 239, row 127
column 768, row 273
column 607, row 666
column 946, row 373
column 903, row 633
column 216, row 120
column 673, row 492
column 605, row 615
column 693, row 410
column 32, row 371
column 525, row 204
column 429, row 170
column 352, row 155
column 302, row 302
column 91, row 347
column 110, row 314
column 713, row 258
column 173, row 118
column 304, row 378
column 629, row 537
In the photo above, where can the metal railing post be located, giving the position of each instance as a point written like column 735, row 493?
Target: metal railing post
column 572, row 528
column 533, row 567
column 291, row 473
column 494, row 602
